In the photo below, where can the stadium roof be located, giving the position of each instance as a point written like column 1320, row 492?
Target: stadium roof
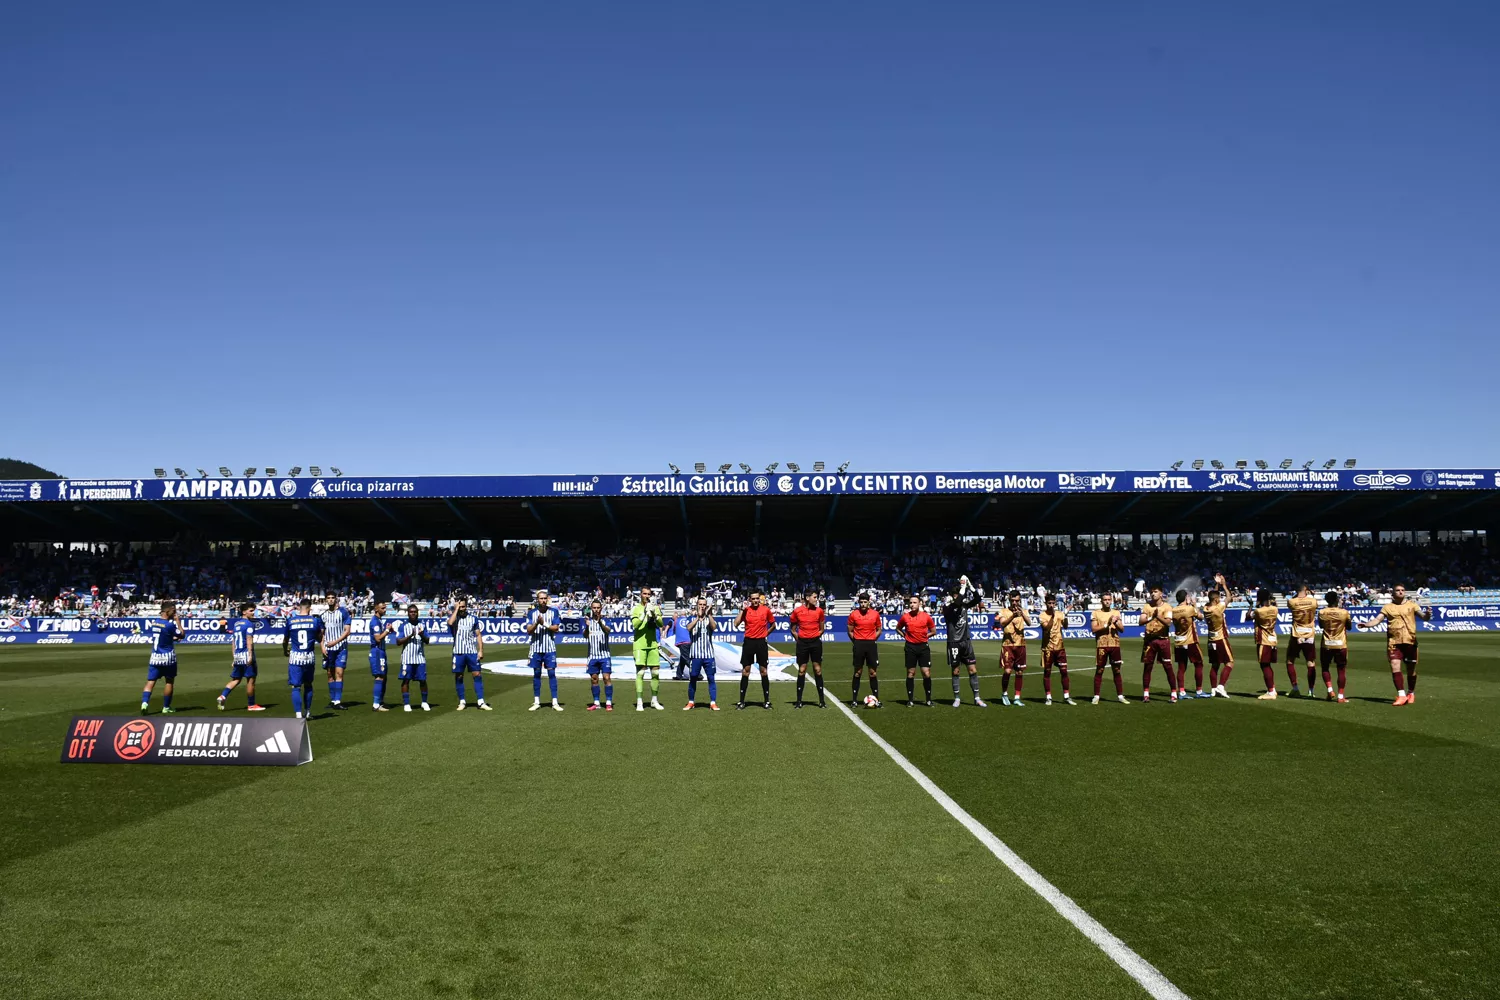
column 869, row 507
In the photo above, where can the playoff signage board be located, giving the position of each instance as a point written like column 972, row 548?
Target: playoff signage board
column 130, row 739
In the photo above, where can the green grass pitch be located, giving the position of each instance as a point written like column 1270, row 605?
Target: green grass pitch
column 1246, row 849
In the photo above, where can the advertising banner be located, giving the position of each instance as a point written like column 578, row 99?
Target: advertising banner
column 128, row 739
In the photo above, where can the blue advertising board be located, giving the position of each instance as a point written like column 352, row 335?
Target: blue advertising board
column 763, row 484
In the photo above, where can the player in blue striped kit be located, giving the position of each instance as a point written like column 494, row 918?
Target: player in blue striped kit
column 700, row 652
column 242, row 634
column 336, row 628
column 299, row 645
column 542, row 625
column 596, row 631
column 166, row 633
column 380, row 631
column 468, row 652
column 411, row 636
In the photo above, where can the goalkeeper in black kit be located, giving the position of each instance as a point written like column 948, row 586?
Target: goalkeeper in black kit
column 956, row 608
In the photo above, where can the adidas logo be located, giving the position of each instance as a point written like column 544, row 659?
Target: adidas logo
column 276, row 744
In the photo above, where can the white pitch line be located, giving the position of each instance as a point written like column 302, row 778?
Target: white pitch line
column 1142, row 971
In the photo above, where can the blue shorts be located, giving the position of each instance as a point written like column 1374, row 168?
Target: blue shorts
column 165, row 671
column 241, row 670
column 377, row 663
column 300, row 674
column 465, row 661
column 538, row 660
column 414, row 671
column 600, row 666
column 707, row 665
column 338, row 658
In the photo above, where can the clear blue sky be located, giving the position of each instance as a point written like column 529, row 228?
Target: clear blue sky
column 535, row 237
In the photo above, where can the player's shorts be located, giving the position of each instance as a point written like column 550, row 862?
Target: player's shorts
column 755, row 651
column 336, row 658
column 809, row 651
column 918, row 654
column 539, row 660
column 414, row 671
column 1335, row 655
column 1113, row 655
column 468, row 661
column 1013, row 656
column 1300, row 647
column 241, row 671
column 1267, row 654
column 866, row 653
column 600, row 666
column 1156, row 649
column 161, row 665
column 648, row 657
column 961, row 651
column 299, row 673
column 1189, row 653
column 1054, row 658
column 1218, row 652
column 703, row 665
column 377, row 663
column 1406, row 652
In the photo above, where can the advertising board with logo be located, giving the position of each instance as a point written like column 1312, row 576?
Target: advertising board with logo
column 127, row 739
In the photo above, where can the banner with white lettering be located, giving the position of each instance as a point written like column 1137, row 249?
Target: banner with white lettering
column 128, row 739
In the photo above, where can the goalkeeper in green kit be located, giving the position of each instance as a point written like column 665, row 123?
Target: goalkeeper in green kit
column 645, row 627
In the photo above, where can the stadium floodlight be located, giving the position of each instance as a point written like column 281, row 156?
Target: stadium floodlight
column 744, row 468
column 1261, row 463
column 725, row 468
column 250, row 472
column 313, row 470
column 772, row 466
column 794, row 466
column 819, row 466
column 1348, row 463
column 160, row 473
column 1286, row 463
column 1307, row 465
column 1197, row 464
column 675, row 470
column 224, row 471
column 843, row 468
column 180, row 473
column 294, row 471
column 700, row 467
column 1177, row 465
column 1330, row 463
column 270, row 471
column 202, row 474
column 1216, row 463
column 1240, row 463
column 338, row 473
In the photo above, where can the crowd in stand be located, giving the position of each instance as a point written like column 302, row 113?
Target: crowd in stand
column 47, row 579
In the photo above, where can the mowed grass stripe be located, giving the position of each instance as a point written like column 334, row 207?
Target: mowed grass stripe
column 543, row 854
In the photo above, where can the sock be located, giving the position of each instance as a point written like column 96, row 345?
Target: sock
column 609, row 693
column 406, row 697
column 478, row 688
column 955, row 685
column 536, row 682
column 224, row 693
column 974, row 685
column 1062, row 673
column 250, row 698
column 145, row 697
column 765, row 687
column 744, row 686
column 458, row 684
column 307, row 696
column 1119, row 683
column 692, row 689
column 336, row 691
column 595, row 688
column 911, row 686
column 379, row 689
column 166, row 701
column 801, row 683
column 1198, row 676
column 1224, row 675
column 640, row 683
column 1411, row 680
column 1146, row 679
column 296, row 699
column 1291, row 672
column 927, row 687
column 1005, row 682
column 424, row 694
column 818, row 683
column 1396, row 680
column 1269, row 672
column 1213, row 676
column 655, row 682
column 1098, row 681
column 552, row 682
column 1019, row 678
column 855, row 695
column 713, row 686
column 875, row 687
column 1342, row 671
column 1047, row 683
column 1327, row 679
column 1312, row 676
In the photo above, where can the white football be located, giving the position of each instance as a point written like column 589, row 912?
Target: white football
column 871, row 701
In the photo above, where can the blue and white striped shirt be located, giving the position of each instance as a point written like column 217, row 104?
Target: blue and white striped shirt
column 466, row 636
column 541, row 639
column 413, row 652
column 335, row 620
column 598, row 635
column 703, row 639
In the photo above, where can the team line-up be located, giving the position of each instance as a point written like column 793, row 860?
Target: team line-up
column 1170, row 639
